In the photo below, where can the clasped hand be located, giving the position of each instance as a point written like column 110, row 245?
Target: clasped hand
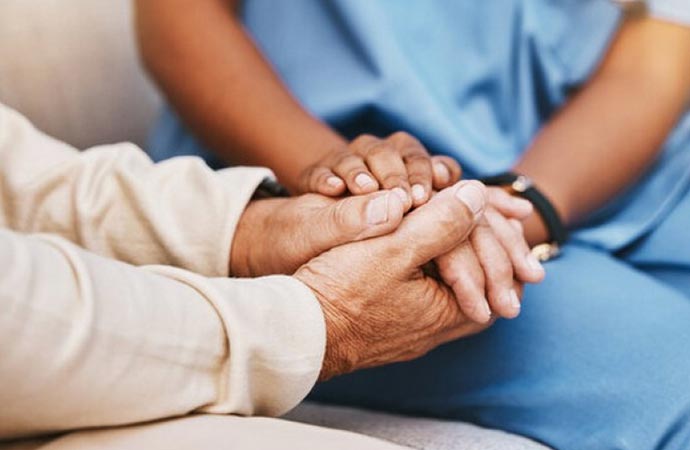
column 363, row 257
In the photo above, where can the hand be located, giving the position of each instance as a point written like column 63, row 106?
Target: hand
column 379, row 305
column 276, row 236
column 487, row 271
column 398, row 162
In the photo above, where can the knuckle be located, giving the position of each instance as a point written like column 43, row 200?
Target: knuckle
column 342, row 220
column 382, row 150
column 364, row 140
column 349, row 159
column 447, row 220
column 418, row 159
column 457, row 214
column 503, row 270
column 403, row 137
column 394, row 179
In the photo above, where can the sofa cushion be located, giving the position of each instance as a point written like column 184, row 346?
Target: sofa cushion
column 410, row 431
column 71, row 67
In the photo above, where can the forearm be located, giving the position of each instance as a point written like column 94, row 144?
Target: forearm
column 92, row 342
column 610, row 132
column 221, row 85
column 115, row 202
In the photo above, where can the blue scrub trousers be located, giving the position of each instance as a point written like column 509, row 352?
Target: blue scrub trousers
column 598, row 359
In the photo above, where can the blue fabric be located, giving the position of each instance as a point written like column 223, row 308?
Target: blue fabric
column 599, row 357
column 474, row 80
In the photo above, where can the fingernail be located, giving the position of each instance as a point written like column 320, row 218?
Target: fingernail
column 472, row 195
column 402, row 195
column 534, row 263
column 334, row 181
column 418, row 192
column 377, row 210
column 514, row 300
column 486, row 310
column 441, row 172
column 363, row 180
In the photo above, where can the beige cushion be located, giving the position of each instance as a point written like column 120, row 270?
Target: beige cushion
column 426, row 434
column 71, row 67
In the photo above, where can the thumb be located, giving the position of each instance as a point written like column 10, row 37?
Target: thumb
column 355, row 218
column 441, row 224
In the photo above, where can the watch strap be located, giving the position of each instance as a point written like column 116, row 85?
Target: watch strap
column 523, row 186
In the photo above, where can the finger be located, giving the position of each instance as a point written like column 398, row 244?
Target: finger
column 498, row 271
column 509, row 205
column 461, row 271
column 353, row 219
column 439, row 225
column 446, row 171
column 322, row 180
column 513, row 242
column 417, row 166
column 519, row 288
column 352, row 169
column 386, row 164
column 517, row 226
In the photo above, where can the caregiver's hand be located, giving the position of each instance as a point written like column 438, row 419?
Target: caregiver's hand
column 276, row 236
column 487, row 271
column 368, row 163
column 380, row 306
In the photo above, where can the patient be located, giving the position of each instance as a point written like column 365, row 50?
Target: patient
column 116, row 309
column 580, row 106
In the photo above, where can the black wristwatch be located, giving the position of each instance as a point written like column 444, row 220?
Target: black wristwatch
column 270, row 188
column 523, row 186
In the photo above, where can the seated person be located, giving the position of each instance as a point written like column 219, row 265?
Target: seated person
column 88, row 341
column 588, row 99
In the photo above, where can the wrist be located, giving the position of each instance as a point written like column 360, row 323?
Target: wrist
column 535, row 230
column 249, row 225
column 545, row 231
column 549, row 185
column 340, row 355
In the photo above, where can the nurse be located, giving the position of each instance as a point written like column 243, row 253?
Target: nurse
column 587, row 98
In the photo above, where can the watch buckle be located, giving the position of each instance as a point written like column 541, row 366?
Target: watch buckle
column 546, row 251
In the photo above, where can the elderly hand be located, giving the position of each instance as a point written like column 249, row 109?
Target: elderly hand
column 276, row 236
column 380, row 306
column 368, row 163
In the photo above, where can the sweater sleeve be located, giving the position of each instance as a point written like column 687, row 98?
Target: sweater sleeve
column 113, row 200
column 90, row 342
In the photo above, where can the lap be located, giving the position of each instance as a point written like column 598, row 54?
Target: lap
column 594, row 361
column 665, row 252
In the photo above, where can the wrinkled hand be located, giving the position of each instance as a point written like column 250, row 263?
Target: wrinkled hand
column 276, row 236
column 380, row 306
column 487, row 271
column 397, row 162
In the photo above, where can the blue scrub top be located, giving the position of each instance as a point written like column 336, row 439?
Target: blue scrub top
column 471, row 79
